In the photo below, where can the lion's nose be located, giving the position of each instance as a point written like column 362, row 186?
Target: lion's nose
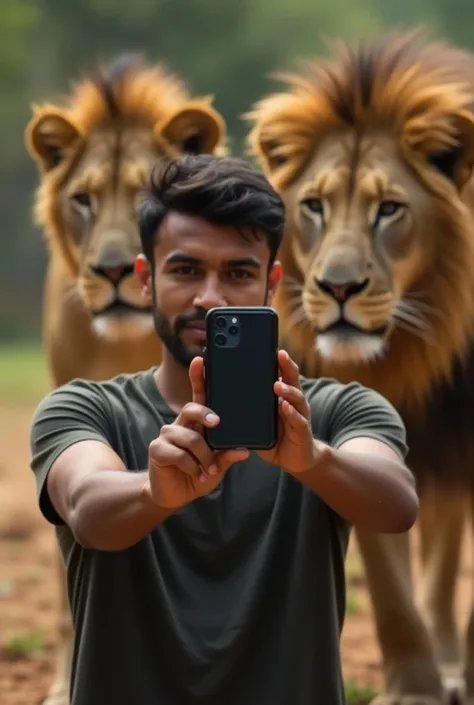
column 112, row 265
column 339, row 289
column 113, row 274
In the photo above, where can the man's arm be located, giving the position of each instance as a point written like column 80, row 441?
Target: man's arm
column 106, row 507
column 366, row 483
column 360, row 471
column 80, row 479
column 83, row 482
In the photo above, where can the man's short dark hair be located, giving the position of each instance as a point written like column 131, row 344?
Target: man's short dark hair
column 223, row 190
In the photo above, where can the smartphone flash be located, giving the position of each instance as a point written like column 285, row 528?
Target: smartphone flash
column 234, row 320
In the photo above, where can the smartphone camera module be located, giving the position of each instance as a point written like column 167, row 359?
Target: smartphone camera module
column 226, row 330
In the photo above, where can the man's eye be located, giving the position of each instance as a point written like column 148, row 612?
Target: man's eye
column 186, row 270
column 239, row 274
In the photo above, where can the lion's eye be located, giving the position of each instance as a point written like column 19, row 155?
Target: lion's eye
column 388, row 208
column 315, row 205
column 83, row 199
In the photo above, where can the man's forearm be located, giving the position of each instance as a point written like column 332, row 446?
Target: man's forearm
column 112, row 510
column 365, row 489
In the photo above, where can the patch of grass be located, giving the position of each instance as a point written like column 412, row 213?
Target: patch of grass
column 353, row 605
column 23, row 373
column 25, row 645
column 358, row 695
column 354, row 568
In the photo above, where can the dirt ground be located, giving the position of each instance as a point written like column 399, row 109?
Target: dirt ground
column 28, row 588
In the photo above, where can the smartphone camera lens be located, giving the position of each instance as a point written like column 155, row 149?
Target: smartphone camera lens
column 220, row 322
column 233, row 330
column 220, row 339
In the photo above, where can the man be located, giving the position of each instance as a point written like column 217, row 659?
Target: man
column 200, row 578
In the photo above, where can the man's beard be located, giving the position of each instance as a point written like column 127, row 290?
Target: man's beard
column 170, row 334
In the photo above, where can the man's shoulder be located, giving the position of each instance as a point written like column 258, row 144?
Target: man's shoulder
column 325, row 389
column 80, row 385
column 343, row 411
column 80, row 393
column 105, row 386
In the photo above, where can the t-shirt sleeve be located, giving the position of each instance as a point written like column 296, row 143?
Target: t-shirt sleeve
column 72, row 413
column 355, row 411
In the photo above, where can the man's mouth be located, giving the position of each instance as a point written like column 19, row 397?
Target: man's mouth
column 197, row 329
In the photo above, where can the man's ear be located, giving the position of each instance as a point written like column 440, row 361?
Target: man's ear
column 48, row 135
column 144, row 275
column 274, row 278
column 195, row 129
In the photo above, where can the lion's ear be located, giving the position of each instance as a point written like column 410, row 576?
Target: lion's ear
column 270, row 152
column 196, row 129
column 48, row 134
column 270, row 137
column 457, row 161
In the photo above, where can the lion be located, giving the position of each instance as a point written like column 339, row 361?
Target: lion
column 95, row 153
column 372, row 152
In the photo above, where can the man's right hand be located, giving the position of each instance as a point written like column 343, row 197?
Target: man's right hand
column 181, row 465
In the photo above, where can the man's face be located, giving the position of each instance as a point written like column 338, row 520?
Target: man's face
column 198, row 266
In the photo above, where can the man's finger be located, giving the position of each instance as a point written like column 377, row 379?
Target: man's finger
column 295, row 397
column 193, row 413
column 227, row 458
column 196, row 376
column 289, row 370
column 293, row 418
column 191, row 441
column 171, row 455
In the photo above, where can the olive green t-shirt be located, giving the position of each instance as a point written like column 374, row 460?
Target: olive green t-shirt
column 236, row 599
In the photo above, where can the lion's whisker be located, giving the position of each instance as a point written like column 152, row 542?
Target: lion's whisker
column 422, row 307
column 414, row 331
column 411, row 317
column 298, row 317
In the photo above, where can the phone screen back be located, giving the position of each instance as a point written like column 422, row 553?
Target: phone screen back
column 240, row 377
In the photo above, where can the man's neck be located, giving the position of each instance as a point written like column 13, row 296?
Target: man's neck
column 172, row 380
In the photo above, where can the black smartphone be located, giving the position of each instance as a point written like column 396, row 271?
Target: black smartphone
column 241, row 368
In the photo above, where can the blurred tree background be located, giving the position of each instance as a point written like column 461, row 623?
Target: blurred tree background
column 223, row 47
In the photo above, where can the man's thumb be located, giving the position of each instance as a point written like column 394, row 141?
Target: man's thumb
column 230, row 457
column 196, row 377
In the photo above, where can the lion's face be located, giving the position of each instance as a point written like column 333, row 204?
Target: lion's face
column 91, row 179
column 358, row 213
column 98, row 203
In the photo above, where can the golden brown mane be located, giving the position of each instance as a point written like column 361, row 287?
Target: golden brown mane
column 130, row 91
column 398, row 83
column 421, row 96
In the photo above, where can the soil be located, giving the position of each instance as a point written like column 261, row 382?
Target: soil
column 28, row 587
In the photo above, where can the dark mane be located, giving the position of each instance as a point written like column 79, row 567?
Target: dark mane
column 111, row 77
column 419, row 91
column 361, row 67
column 355, row 83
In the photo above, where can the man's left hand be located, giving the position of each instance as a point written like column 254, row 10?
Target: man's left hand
column 296, row 451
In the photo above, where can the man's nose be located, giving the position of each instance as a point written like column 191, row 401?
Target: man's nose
column 210, row 294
